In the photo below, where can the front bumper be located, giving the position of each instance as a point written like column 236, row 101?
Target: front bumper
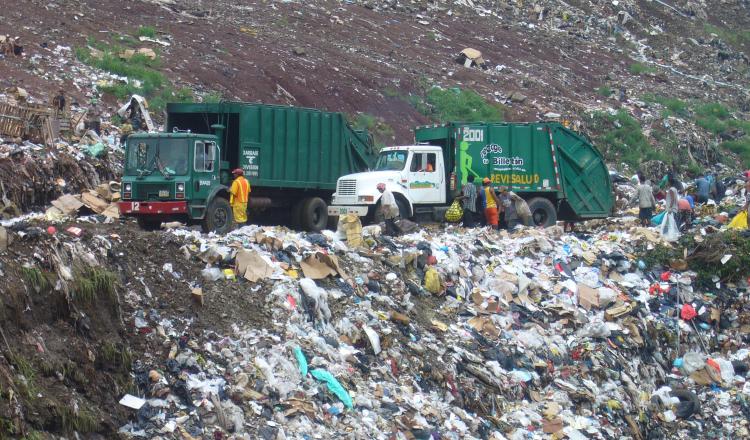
column 153, row 208
column 360, row 210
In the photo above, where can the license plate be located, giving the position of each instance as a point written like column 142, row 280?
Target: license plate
column 164, row 193
column 344, row 210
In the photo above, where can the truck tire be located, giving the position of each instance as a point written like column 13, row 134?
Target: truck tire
column 296, row 214
column 403, row 209
column 543, row 212
column 314, row 215
column 149, row 224
column 218, row 216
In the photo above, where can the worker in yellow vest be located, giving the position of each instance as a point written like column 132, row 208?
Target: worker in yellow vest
column 239, row 195
column 492, row 204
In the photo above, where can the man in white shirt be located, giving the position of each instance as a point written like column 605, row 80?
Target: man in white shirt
column 389, row 209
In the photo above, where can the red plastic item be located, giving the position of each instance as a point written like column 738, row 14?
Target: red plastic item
column 432, row 260
column 688, row 312
column 51, row 230
column 665, row 276
column 292, row 302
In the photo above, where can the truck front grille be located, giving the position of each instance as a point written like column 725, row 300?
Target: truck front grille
column 347, row 188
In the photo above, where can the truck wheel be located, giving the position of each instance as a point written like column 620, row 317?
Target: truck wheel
column 296, row 214
column 149, row 224
column 403, row 209
column 314, row 215
column 218, row 216
column 543, row 212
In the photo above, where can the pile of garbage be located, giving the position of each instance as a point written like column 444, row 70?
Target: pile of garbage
column 440, row 333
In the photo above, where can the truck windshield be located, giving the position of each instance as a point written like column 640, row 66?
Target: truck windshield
column 391, row 160
column 166, row 156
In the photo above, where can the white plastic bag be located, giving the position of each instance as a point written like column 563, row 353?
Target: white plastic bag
column 668, row 228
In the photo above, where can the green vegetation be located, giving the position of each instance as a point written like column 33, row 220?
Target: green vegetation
column 25, row 368
column 380, row 130
column 116, row 356
column 147, row 31
column 92, row 283
column 36, row 279
column 733, row 37
column 443, row 105
column 213, row 97
column 705, row 257
column 83, row 421
column 673, row 106
column 620, row 136
column 391, row 92
column 604, row 91
column 641, row 69
column 142, row 72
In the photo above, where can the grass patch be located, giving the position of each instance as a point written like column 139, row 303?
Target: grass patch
column 36, row 279
column 391, row 92
column 26, row 369
column 380, row 130
column 213, row 97
column 740, row 147
column 460, row 105
column 147, row 31
column 620, row 136
column 116, row 356
column 673, row 106
column 142, row 72
column 604, row 91
column 83, row 422
column 734, row 37
column 89, row 285
column 641, row 69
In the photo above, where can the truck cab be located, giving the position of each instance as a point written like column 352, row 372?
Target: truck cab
column 415, row 174
column 169, row 176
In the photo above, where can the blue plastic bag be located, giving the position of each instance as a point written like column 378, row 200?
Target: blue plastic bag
column 658, row 218
column 333, row 386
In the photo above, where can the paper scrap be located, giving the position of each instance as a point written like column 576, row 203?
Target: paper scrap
column 132, row 401
column 252, row 266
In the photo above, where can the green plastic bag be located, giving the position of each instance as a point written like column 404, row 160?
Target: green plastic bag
column 96, row 150
column 301, row 360
column 333, row 386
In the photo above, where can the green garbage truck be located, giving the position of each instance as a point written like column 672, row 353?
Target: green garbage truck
column 291, row 156
column 557, row 171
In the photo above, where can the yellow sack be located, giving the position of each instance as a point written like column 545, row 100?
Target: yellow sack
column 739, row 221
column 352, row 227
column 454, row 213
column 432, row 281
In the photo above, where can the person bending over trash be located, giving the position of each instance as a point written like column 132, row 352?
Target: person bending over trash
column 389, row 209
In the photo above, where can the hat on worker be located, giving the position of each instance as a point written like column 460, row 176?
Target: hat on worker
column 238, row 172
column 381, row 186
column 486, row 180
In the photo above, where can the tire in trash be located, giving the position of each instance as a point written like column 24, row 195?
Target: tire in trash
column 543, row 212
column 218, row 216
column 149, row 224
column 689, row 403
column 314, row 215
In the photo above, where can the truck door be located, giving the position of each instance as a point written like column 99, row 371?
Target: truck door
column 205, row 176
column 426, row 177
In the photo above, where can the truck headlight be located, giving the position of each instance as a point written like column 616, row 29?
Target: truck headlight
column 181, row 187
column 128, row 187
column 367, row 199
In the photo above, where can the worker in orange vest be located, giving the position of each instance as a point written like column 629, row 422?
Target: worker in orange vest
column 239, row 195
